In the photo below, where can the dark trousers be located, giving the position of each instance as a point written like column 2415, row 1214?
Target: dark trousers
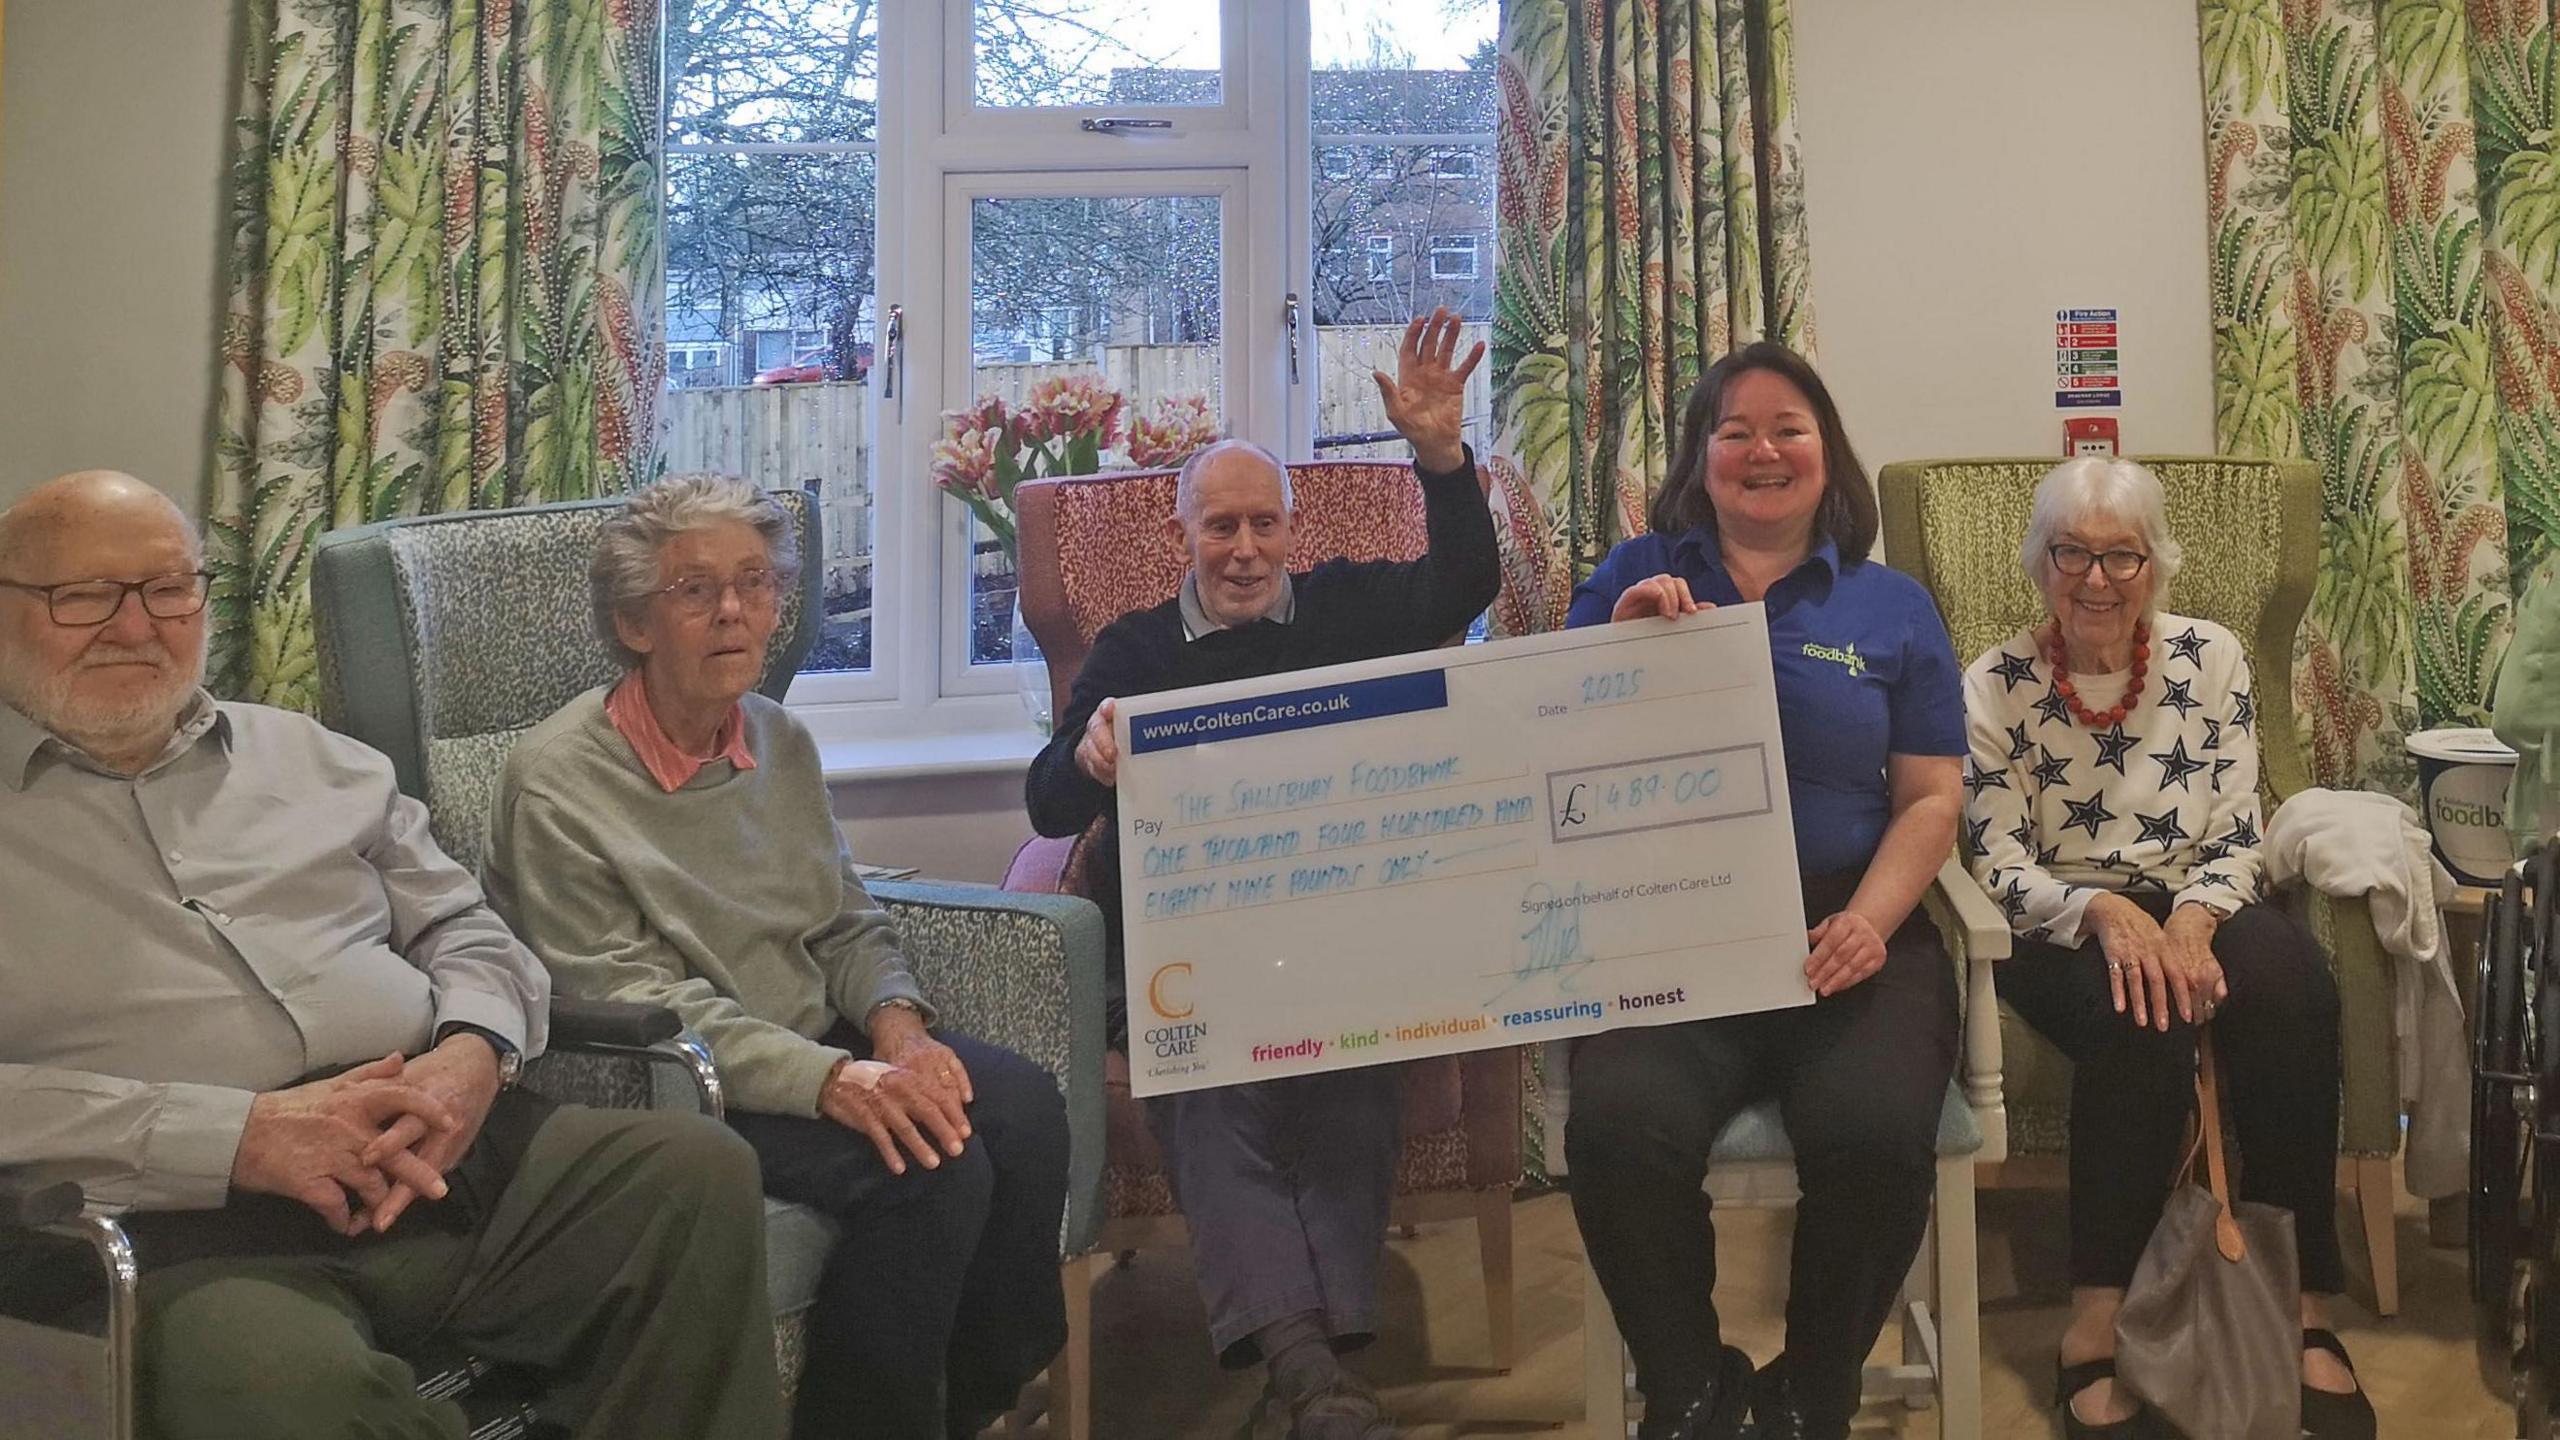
column 1859, row 1078
column 624, row 1257
column 2133, row 1088
column 1286, row 1185
column 943, row 1297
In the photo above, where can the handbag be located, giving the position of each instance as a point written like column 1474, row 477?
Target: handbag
column 2210, row 1336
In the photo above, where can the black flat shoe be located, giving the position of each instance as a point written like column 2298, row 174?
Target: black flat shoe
column 1775, row 1410
column 2070, row 1380
column 1716, row 1413
column 2326, row 1414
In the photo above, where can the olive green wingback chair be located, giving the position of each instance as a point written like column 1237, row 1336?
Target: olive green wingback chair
column 2250, row 530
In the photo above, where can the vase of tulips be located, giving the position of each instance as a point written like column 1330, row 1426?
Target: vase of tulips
column 1066, row 425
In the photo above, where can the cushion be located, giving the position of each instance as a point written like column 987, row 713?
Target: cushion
column 797, row 1241
column 1757, row 1135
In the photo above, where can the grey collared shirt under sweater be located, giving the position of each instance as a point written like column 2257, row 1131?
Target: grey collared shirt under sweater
column 259, row 903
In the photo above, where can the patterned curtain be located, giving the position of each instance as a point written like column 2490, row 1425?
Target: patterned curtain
column 445, row 280
column 1651, row 218
column 2385, row 212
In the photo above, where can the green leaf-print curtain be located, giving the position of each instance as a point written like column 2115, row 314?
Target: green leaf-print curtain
column 444, row 285
column 1651, row 218
column 2384, row 207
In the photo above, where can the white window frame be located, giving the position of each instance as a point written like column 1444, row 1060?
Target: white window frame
column 1470, row 246
column 1452, row 162
column 921, row 700
column 958, row 677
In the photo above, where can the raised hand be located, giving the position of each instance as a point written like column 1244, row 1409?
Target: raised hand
column 1427, row 399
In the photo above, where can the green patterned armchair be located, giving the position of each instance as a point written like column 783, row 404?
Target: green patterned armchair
column 2250, row 530
column 442, row 639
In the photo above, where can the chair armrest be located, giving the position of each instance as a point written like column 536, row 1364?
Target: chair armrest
column 1024, row 972
column 577, row 1023
column 32, row 1205
column 613, row 1075
column 2368, row 1048
column 1040, row 866
column 1977, row 936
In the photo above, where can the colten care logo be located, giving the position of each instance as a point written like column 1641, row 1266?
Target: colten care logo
column 1158, row 996
column 1168, row 994
column 1850, row 657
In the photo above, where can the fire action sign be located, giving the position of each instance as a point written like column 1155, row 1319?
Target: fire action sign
column 2087, row 362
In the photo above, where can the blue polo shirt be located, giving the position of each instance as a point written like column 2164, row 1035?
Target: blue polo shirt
column 1864, row 670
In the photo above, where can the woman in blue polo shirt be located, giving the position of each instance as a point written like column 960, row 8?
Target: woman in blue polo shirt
column 1768, row 504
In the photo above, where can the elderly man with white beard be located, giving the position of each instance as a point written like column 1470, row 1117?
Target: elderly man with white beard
column 246, row 1001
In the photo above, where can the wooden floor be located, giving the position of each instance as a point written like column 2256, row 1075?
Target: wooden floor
column 1155, row 1379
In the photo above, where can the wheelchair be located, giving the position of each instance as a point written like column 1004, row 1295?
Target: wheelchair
column 2515, row 1134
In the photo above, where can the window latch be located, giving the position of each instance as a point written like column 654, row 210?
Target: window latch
column 1120, row 125
column 1289, row 314
column 893, row 355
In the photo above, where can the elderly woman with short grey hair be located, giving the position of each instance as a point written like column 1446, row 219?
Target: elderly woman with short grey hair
column 2112, row 811
column 668, row 839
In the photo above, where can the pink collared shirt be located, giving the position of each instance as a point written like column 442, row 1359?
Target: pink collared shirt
column 627, row 706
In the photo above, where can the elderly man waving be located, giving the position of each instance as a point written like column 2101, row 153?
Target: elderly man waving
column 250, row 1003
column 1285, row 1182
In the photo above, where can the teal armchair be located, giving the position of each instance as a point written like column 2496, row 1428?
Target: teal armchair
column 442, row 639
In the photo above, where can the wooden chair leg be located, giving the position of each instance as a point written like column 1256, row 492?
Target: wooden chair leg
column 2374, row 1197
column 1071, row 1374
column 1493, row 1242
column 1604, row 1364
column 1959, row 1308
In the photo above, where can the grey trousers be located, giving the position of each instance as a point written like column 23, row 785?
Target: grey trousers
column 1285, row 1184
column 625, row 1257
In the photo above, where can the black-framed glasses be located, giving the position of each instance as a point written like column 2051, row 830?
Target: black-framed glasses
column 2075, row 560
column 699, row 595
column 81, row 604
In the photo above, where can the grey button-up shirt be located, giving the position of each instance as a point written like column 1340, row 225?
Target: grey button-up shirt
column 259, row 903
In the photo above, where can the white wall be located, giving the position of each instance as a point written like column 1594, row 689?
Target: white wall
column 114, row 121
column 951, row 827
column 1972, row 166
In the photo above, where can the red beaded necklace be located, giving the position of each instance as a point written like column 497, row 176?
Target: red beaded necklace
column 2096, row 719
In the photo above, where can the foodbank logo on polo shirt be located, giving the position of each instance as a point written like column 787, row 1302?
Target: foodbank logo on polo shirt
column 1849, row 657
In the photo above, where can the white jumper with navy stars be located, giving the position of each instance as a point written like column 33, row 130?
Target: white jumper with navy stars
column 2164, row 801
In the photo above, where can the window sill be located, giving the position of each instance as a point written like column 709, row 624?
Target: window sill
column 977, row 752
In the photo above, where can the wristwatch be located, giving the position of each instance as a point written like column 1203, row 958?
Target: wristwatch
column 894, row 1002
column 510, row 1060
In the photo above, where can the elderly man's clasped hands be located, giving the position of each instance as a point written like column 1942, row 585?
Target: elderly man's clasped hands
column 360, row 1147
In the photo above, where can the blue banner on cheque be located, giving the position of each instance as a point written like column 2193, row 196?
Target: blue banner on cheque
column 1525, row 840
column 1288, row 710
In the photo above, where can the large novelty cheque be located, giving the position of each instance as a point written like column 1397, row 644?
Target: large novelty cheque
column 1491, row 845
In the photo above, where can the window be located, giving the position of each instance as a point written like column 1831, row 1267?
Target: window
column 772, row 165
column 1036, row 252
column 1417, row 95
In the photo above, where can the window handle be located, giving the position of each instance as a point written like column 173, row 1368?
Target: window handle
column 1289, row 312
column 1120, row 125
column 893, row 356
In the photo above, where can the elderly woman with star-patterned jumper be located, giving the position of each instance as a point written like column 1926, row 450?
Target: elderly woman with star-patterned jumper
column 2112, row 810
